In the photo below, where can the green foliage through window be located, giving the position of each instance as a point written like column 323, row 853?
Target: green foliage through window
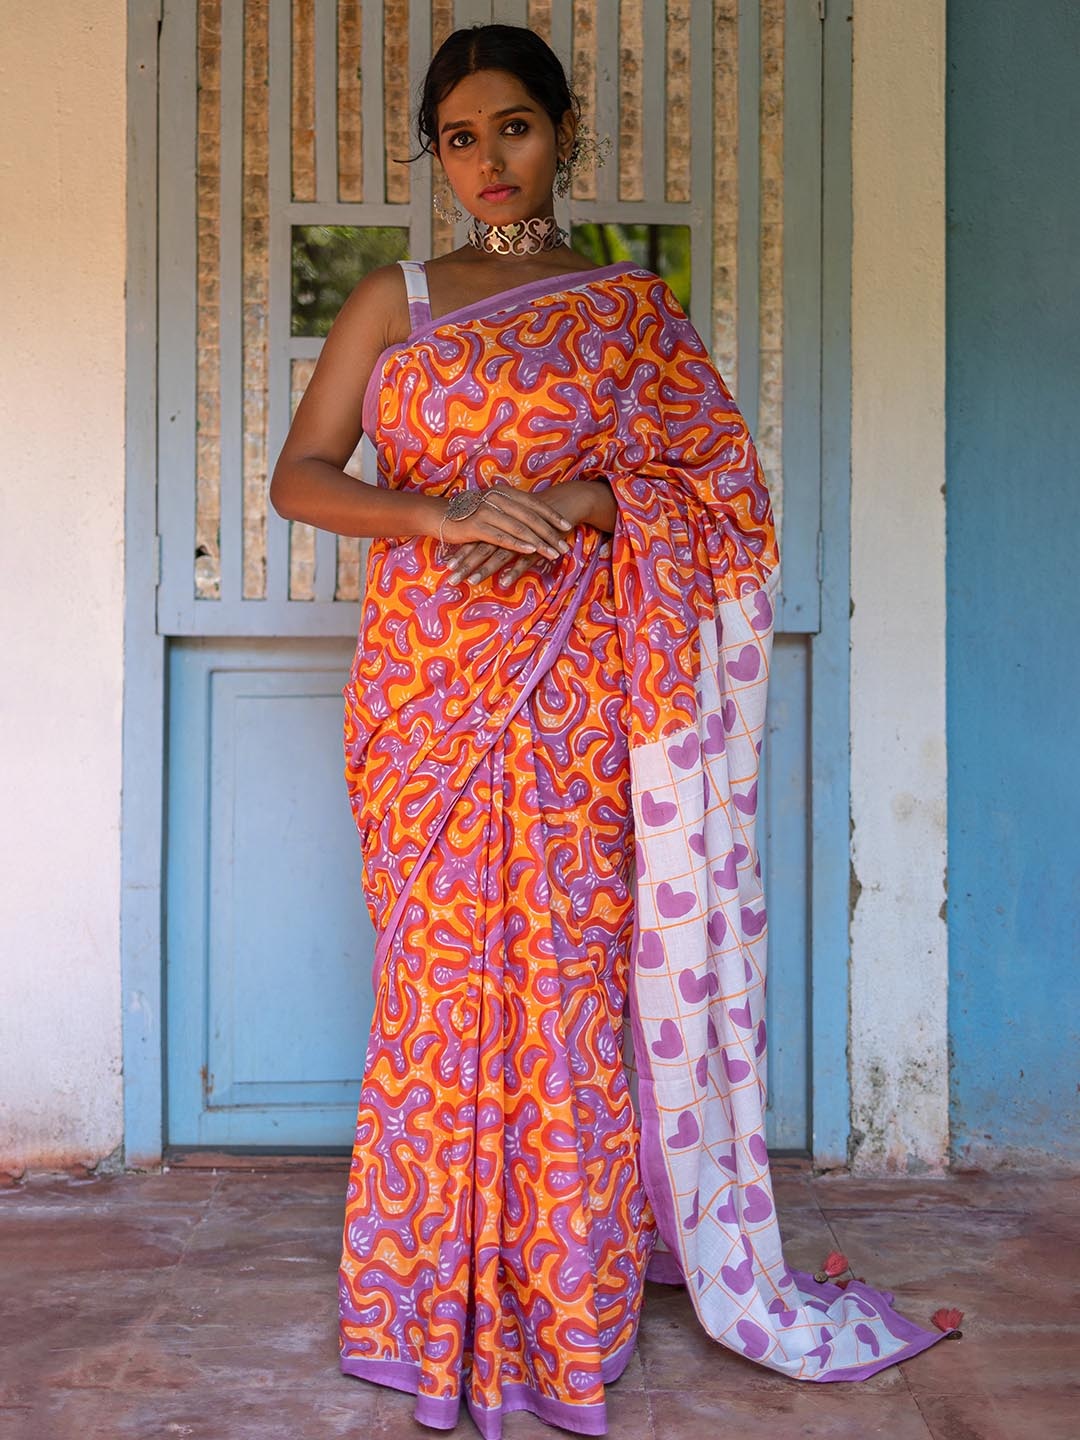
column 327, row 262
column 663, row 249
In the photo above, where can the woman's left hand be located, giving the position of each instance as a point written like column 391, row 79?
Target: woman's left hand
column 582, row 502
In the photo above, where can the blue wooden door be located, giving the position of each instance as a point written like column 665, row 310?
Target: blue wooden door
column 263, row 877
column 283, row 126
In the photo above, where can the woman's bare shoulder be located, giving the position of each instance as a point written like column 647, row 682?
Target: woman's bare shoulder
column 376, row 312
column 375, row 315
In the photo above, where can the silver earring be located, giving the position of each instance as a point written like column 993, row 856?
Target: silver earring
column 586, row 149
column 444, row 205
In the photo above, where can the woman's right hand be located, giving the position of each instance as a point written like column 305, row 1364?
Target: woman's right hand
column 510, row 520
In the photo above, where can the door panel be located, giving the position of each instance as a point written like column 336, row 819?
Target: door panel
column 284, row 125
column 269, row 940
column 785, row 871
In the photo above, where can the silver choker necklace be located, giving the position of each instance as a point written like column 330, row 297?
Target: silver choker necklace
column 517, row 237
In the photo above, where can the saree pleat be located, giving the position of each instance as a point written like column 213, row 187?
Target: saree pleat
column 497, row 1230
column 555, row 783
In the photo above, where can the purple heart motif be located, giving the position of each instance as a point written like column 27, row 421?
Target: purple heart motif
column 692, row 1219
column 717, row 927
column 758, row 1149
column 673, row 903
column 867, row 1336
column 741, row 852
column 734, row 1068
column 727, row 710
column 747, row 665
column 685, row 753
column 738, row 1278
column 740, row 1015
column 747, row 802
column 783, row 1314
column 752, row 922
column 714, row 734
column 755, row 1342
column 701, row 1070
column 823, row 1351
column 727, row 876
column 670, row 1043
column 747, row 970
column 762, row 611
column 656, row 812
column 687, row 1132
column 651, row 951
column 710, row 1031
column 697, row 843
column 727, row 1160
column 725, row 1212
column 759, row 1043
column 694, row 990
column 756, row 1205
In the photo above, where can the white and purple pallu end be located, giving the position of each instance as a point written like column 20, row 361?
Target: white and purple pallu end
column 698, row 1006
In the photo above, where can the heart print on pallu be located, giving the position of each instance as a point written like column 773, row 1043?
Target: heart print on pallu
column 698, row 997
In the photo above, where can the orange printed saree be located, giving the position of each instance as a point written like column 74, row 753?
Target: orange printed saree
column 555, row 785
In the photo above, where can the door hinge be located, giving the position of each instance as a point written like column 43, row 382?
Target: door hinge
column 157, row 560
column 821, row 9
column 820, row 556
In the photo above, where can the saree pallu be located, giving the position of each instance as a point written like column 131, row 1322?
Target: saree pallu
column 555, row 784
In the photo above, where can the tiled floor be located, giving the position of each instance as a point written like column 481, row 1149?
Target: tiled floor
column 202, row 1304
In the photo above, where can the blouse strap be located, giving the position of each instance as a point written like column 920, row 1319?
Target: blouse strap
column 416, row 287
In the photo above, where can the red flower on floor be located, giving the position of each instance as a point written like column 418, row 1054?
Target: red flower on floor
column 835, row 1263
column 946, row 1319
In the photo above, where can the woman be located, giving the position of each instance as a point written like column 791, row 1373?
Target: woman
column 553, row 731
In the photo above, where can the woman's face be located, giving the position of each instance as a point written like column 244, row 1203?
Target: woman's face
column 499, row 148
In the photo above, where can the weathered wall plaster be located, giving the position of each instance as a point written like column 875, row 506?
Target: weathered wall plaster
column 62, row 118
column 899, row 960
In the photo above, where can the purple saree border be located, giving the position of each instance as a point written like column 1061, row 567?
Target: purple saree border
column 548, row 286
column 664, row 1268
column 915, row 1337
column 443, row 1412
column 501, row 300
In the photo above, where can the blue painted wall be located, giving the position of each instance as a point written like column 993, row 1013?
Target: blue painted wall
column 1013, row 507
